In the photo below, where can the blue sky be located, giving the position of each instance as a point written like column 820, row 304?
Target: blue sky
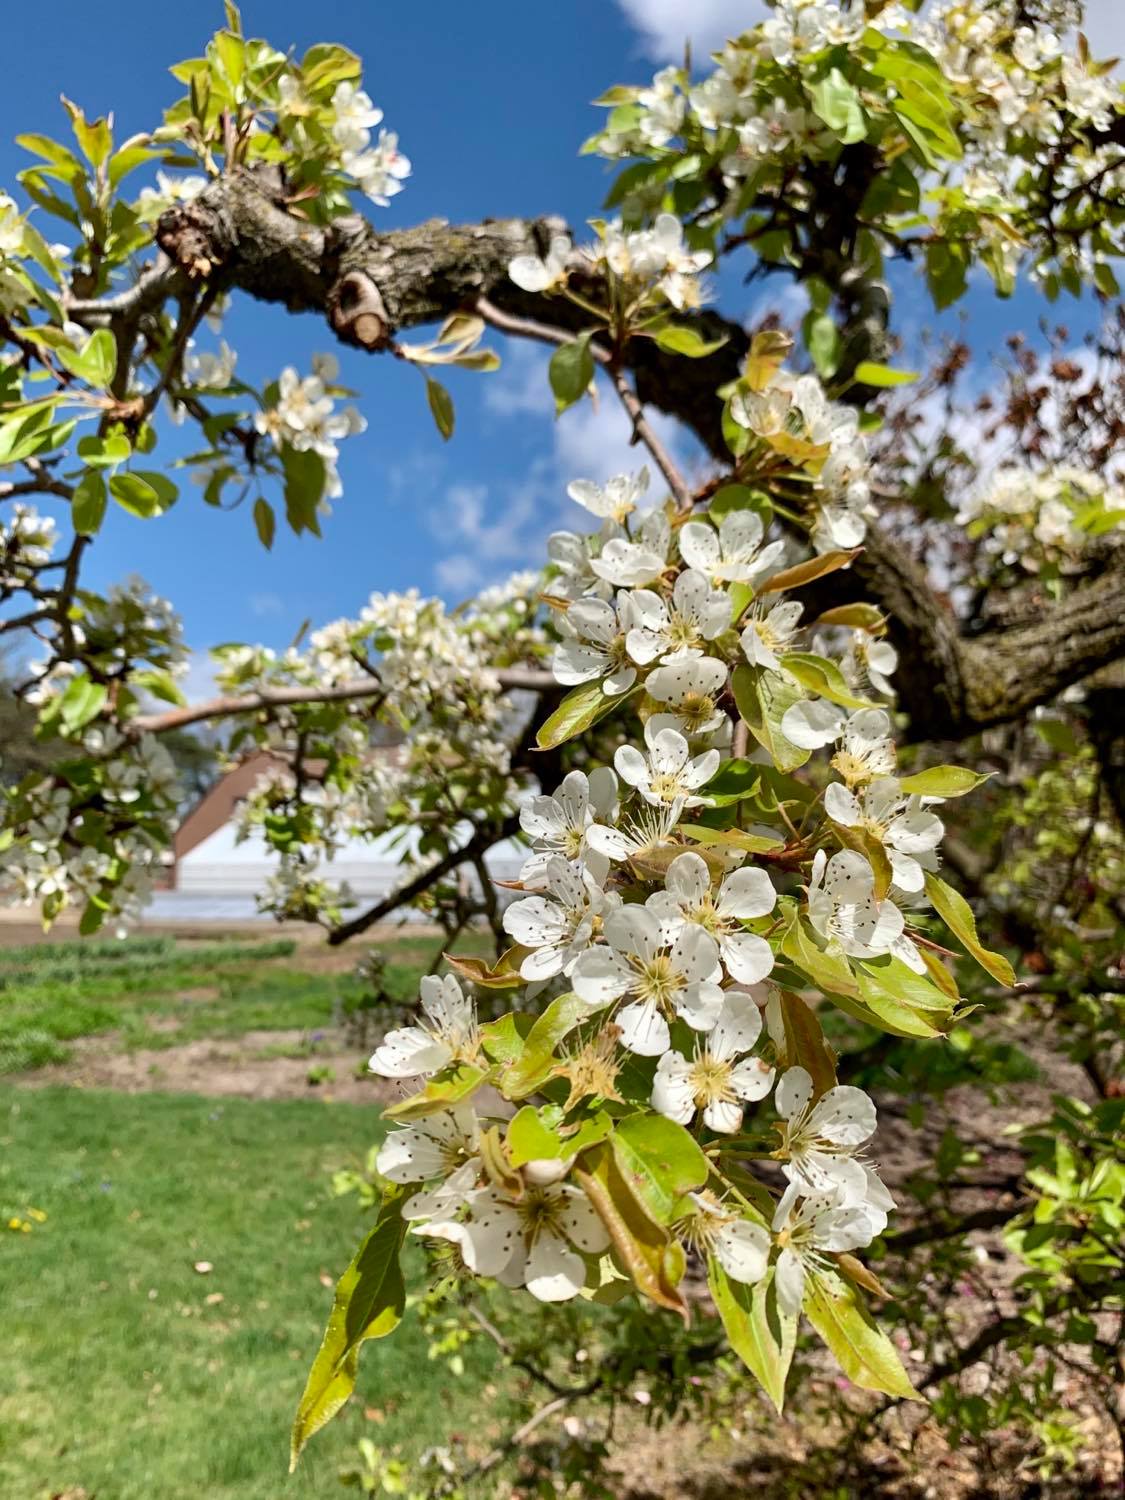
column 491, row 104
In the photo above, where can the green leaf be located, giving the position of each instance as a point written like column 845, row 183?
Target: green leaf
column 265, row 522
column 821, row 676
column 87, row 506
column 944, row 781
column 660, row 1161
column 304, row 488
column 762, row 1336
column 869, row 373
column 441, row 406
column 82, row 701
column 864, row 1352
column 369, row 1303
column 762, row 699
column 529, row 1139
column 836, row 101
column 104, row 453
column 93, row 136
column 733, row 781
column 452, row 1086
column 732, row 497
column 955, row 911
column 128, row 159
column 947, row 271
column 822, row 339
column 582, row 707
column 144, row 494
column 325, row 65
column 805, row 1046
column 641, row 1246
column 679, row 338
column 570, row 372
column 537, row 1060
column 95, row 362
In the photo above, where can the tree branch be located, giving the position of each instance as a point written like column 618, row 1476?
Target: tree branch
column 236, row 234
column 481, row 841
column 365, row 687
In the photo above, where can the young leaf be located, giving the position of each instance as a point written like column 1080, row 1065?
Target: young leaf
column 536, row 1061
column 265, row 522
column 571, row 371
column 679, row 338
column 582, row 707
column 87, row 507
column 955, row 911
column 864, row 1352
column 369, row 1302
column 767, row 355
column 529, row 1139
column 806, row 572
column 762, row 1336
column 944, row 781
column 441, row 1092
column 660, row 1161
column 869, row 373
column 642, row 1247
column 441, row 406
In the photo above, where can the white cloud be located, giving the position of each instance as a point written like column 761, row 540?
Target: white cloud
column 266, row 604
column 594, row 441
column 520, row 386
column 665, row 25
column 457, row 575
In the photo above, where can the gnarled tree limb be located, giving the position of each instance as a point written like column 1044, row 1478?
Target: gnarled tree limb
column 239, row 234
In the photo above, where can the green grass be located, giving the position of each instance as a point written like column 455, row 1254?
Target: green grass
column 54, row 993
column 116, row 1374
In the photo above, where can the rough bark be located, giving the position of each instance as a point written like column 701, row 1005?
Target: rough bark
column 371, row 285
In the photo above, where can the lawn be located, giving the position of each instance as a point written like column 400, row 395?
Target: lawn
column 52, row 994
column 130, row 1375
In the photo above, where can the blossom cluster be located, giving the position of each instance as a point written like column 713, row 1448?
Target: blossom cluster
column 304, row 417
column 651, row 923
column 1046, row 520
column 655, row 261
column 980, row 70
column 433, row 683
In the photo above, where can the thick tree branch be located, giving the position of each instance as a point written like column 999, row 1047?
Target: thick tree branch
column 238, row 234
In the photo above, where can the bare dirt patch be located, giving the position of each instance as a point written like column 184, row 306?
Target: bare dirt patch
column 245, row 1067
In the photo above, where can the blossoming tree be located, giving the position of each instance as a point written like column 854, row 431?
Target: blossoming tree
column 687, row 708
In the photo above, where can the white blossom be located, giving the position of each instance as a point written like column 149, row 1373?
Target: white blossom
column 689, row 687
column 822, row 1137
column 743, row 895
column 447, row 1034
column 669, row 773
column 657, row 978
column 562, row 824
column 769, row 633
column 667, row 630
column 714, row 1080
column 558, row 926
column 534, row 274
column 532, row 1241
column 733, row 554
column 908, row 831
column 809, row 1231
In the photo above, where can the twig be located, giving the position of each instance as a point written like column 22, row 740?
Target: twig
column 530, row 328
